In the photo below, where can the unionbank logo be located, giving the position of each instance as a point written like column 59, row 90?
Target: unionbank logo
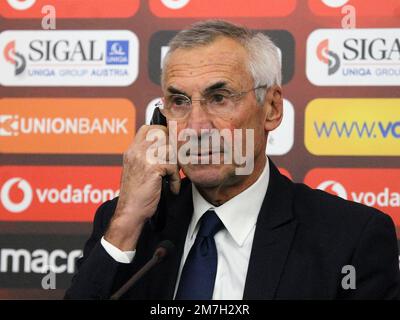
column 219, row 8
column 68, row 58
column 358, row 57
column 158, row 48
column 50, row 193
column 365, row 8
column 68, row 126
column 377, row 188
column 359, row 127
column 69, row 9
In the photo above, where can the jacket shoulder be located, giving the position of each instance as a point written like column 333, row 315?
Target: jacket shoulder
column 331, row 215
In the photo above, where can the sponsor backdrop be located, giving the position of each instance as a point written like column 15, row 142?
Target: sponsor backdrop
column 71, row 100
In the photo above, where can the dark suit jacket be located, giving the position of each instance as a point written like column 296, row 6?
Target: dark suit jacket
column 303, row 239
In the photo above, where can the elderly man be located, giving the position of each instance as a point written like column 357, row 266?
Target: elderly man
column 237, row 236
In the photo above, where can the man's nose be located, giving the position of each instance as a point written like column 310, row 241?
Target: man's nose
column 199, row 118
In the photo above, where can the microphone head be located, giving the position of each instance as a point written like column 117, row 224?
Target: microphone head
column 164, row 248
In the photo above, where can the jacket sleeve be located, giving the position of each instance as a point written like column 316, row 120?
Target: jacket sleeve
column 376, row 261
column 98, row 273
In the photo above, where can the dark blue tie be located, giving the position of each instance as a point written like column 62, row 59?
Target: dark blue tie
column 198, row 273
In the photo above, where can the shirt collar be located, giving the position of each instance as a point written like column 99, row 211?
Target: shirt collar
column 239, row 214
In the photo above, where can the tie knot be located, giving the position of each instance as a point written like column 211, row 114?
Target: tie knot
column 210, row 224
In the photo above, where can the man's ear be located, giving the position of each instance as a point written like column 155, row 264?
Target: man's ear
column 273, row 105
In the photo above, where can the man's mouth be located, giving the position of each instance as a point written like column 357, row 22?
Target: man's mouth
column 204, row 153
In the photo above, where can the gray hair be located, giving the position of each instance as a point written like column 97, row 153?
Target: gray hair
column 263, row 63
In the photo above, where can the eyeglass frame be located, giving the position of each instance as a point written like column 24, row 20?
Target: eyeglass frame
column 190, row 101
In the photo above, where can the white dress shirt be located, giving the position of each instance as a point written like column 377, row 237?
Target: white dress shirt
column 234, row 242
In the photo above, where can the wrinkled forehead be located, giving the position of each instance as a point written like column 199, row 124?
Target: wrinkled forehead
column 221, row 58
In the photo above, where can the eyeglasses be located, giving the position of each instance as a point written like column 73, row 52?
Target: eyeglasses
column 217, row 102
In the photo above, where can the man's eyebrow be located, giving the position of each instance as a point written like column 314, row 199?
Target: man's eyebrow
column 173, row 90
column 215, row 86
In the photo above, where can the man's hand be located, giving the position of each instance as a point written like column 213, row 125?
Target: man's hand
column 140, row 190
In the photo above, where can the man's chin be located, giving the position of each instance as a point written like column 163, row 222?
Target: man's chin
column 208, row 176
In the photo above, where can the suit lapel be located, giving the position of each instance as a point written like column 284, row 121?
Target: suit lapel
column 180, row 210
column 273, row 237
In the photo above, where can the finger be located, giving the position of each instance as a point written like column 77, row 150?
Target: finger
column 143, row 131
column 174, row 178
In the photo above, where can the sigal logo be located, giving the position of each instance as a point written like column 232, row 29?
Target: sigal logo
column 369, row 57
column 49, row 193
column 68, row 58
column 14, row 58
column 330, row 58
column 373, row 187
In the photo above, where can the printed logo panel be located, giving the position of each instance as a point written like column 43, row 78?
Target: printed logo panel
column 68, row 58
column 285, row 173
column 369, row 8
column 354, row 57
column 158, row 48
column 280, row 140
column 69, row 9
column 219, row 8
column 55, row 193
column 27, row 260
column 66, row 126
column 379, row 188
column 359, row 127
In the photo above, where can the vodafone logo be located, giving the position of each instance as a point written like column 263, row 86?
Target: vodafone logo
column 5, row 195
column 175, row 4
column 333, row 187
column 55, row 193
column 21, row 4
column 66, row 195
column 334, row 3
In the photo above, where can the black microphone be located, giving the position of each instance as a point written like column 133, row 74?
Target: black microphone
column 163, row 250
